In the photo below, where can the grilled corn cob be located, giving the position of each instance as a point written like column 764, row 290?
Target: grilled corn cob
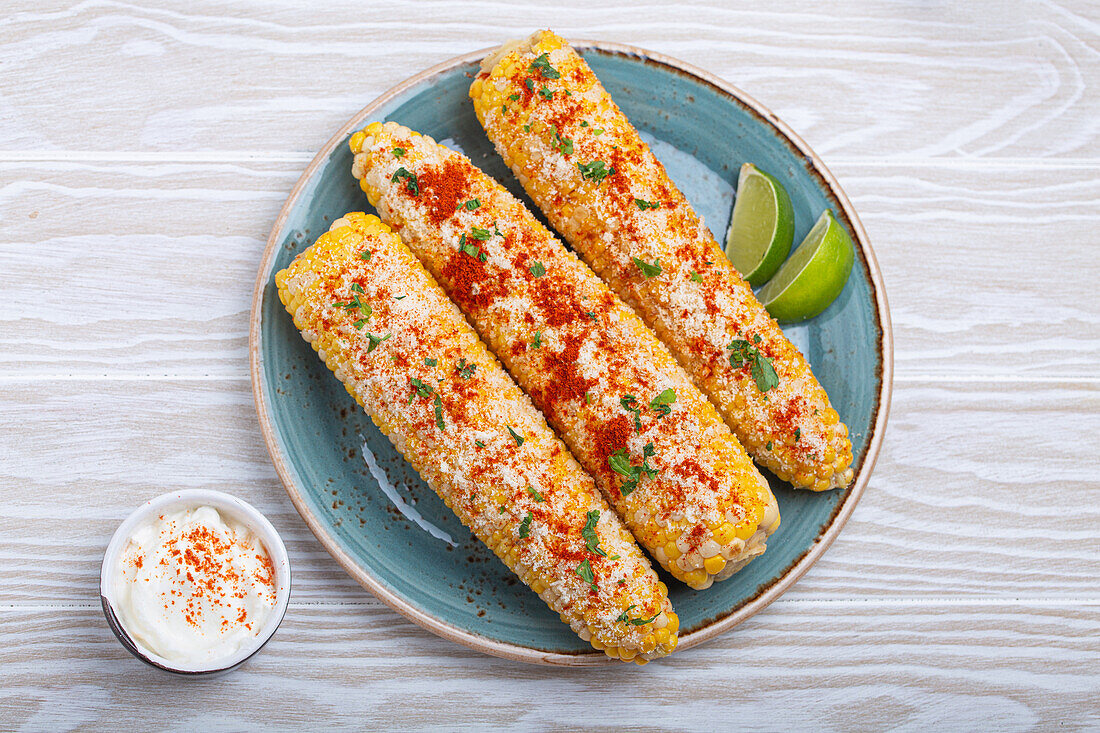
column 410, row 359
column 629, row 413
column 585, row 165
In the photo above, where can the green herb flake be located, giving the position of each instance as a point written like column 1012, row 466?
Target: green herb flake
column 430, row 362
column 536, row 342
column 584, row 123
column 375, row 340
column 525, row 526
column 504, row 109
column 797, row 434
column 535, row 495
column 643, row 204
column 546, row 93
column 479, row 444
column 465, row 369
column 399, row 297
column 597, row 132
column 538, row 269
column 481, row 234
column 472, row 204
column 584, row 570
column 620, row 464
column 411, row 184
column 597, row 170
column 592, row 315
column 530, row 83
column 439, row 412
column 591, row 539
column 661, row 403
column 760, row 366
column 696, row 277
column 527, row 128
column 647, row 269
column 513, row 97
column 398, row 152
column 542, row 64
column 768, row 446
column 420, row 389
column 625, row 619
column 588, row 398
column 365, row 255
column 515, row 436
column 630, row 404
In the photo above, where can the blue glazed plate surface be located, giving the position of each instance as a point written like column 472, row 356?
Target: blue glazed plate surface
column 388, row 529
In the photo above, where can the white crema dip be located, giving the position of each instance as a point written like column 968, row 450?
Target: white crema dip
column 194, row 586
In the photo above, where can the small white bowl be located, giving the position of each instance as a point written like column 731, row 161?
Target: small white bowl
column 231, row 506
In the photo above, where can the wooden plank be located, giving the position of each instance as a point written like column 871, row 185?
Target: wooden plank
column 985, row 270
column 803, row 665
column 982, row 491
column 867, row 79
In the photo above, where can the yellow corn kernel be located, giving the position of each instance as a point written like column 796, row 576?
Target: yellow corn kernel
column 714, row 565
column 356, row 142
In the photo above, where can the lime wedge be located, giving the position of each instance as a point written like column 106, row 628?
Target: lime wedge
column 762, row 227
column 814, row 275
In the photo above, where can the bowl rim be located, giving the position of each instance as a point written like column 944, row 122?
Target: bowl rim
column 763, row 597
column 240, row 510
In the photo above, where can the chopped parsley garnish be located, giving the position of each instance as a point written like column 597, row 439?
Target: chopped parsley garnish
column 479, row 444
column 584, row 123
column 481, row 234
column 513, row 97
column 502, row 509
column 527, row 128
column 504, row 109
column 542, row 63
column 588, row 398
column 597, row 170
column 360, row 323
column 411, row 184
column 696, row 277
column 797, row 434
column 563, row 145
column 439, row 412
column 375, row 340
column 536, row 342
column 356, row 303
column 525, row 526
column 472, row 204
column 515, row 436
column 365, row 255
column 597, row 132
column 591, row 314
column 768, row 446
column 538, row 269
column 398, row 152
column 584, row 570
column 470, row 248
column 465, row 369
column 630, row 404
column 624, row 619
column 420, row 389
column 620, row 464
column 763, row 373
column 591, row 539
column 399, row 297
column 430, row 362
column 535, row 495
column 530, row 84
column 647, row 269
column 643, row 204
column 661, row 402
column 546, row 93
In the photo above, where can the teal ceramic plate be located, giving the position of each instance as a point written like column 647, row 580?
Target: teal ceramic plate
column 371, row 510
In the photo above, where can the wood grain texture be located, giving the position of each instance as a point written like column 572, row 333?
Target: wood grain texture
column 802, row 665
column 922, row 530
column 145, row 149
column 975, row 265
column 864, row 79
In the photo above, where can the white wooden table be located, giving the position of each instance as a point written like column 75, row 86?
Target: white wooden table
column 144, row 153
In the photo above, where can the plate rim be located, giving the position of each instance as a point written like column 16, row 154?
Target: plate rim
column 516, row 652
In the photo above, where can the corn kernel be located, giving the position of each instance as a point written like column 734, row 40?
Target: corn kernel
column 714, row 565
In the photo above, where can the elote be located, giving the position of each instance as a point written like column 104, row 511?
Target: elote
column 409, row 358
column 629, row 413
column 586, row 167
